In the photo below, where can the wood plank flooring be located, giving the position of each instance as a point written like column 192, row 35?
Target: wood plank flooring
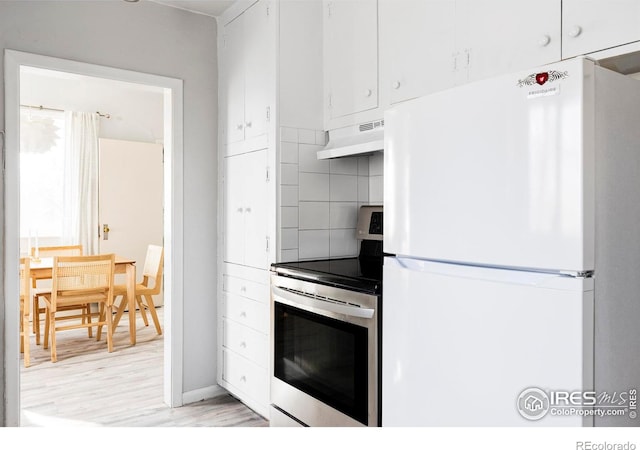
column 90, row 387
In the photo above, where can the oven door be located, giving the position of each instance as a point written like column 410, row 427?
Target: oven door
column 324, row 354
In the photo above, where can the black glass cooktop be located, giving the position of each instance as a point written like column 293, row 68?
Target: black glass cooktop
column 358, row 274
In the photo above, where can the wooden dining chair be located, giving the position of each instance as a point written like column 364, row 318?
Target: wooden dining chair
column 41, row 287
column 151, row 285
column 77, row 282
column 25, row 300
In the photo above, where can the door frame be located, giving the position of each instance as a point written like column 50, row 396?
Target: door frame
column 173, row 216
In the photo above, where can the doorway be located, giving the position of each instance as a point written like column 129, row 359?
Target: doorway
column 173, row 183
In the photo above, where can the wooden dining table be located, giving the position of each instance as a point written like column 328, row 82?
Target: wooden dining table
column 42, row 269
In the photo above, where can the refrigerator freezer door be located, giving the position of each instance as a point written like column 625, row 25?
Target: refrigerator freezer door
column 460, row 344
column 497, row 172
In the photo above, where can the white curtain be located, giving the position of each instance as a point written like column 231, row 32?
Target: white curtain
column 80, row 201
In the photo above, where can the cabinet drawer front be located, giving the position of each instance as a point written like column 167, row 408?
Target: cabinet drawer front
column 246, row 312
column 246, row 288
column 245, row 376
column 246, row 342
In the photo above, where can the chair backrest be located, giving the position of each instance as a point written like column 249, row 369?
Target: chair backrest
column 82, row 275
column 25, row 282
column 59, row 250
column 153, row 267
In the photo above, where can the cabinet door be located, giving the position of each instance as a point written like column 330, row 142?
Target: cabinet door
column 503, row 36
column 255, row 211
column 351, row 56
column 592, row 25
column 233, row 233
column 234, row 79
column 417, row 39
column 259, row 39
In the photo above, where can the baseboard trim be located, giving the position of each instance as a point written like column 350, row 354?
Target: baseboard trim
column 202, row 394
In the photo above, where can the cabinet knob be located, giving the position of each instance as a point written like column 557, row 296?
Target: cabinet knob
column 240, row 210
column 248, row 124
column 239, row 126
column 247, row 210
column 243, row 289
column 575, row 31
column 544, row 40
column 243, row 378
column 396, row 85
column 243, row 314
column 368, row 92
column 243, row 344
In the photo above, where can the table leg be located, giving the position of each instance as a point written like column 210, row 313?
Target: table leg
column 131, row 296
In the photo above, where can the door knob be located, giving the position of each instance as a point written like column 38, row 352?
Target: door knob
column 105, row 232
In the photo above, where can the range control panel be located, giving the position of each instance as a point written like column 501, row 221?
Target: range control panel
column 370, row 222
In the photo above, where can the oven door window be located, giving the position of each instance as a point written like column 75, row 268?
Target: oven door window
column 323, row 357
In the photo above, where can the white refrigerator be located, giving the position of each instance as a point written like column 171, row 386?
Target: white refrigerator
column 511, row 292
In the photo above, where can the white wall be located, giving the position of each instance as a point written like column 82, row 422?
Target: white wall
column 156, row 39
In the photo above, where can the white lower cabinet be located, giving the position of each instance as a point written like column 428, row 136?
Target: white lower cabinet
column 251, row 380
column 244, row 337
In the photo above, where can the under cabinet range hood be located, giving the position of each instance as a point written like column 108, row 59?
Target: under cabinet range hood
column 363, row 139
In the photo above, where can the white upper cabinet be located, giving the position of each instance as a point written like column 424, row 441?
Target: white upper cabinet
column 259, row 62
column 234, row 77
column 350, row 57
column 501, row 36
column 417, row 44
column 592, row 25
column 249, row 42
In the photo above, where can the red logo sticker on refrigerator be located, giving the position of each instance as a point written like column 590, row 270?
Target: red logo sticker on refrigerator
column 542, row 78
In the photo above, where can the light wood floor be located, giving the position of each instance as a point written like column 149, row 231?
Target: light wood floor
column 90, row 387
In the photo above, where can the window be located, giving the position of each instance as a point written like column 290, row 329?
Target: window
column 42, row 144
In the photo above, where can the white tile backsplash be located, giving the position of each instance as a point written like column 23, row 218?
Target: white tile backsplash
column 363, row 166
column 343, row 214
column 314, row 244
column 376, row 189
column 376, row 164
column 344, row 188
column 288, row 134
column 343, row 166
column 314, row 187
column 289, row 174
column 289, row 217
column 289, row 238
column 363, row 189
column 343, row 243
column 320, row 199
column 290, row 255
column 314, row 215
column 306, row 136
column 289, row 152
column 288, row 195
column 308, row 159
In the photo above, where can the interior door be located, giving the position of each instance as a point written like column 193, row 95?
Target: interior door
column 131, row 199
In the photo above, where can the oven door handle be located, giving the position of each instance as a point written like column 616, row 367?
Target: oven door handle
column 294, row 300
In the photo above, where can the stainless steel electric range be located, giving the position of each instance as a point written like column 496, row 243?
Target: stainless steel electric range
column 325, row 335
